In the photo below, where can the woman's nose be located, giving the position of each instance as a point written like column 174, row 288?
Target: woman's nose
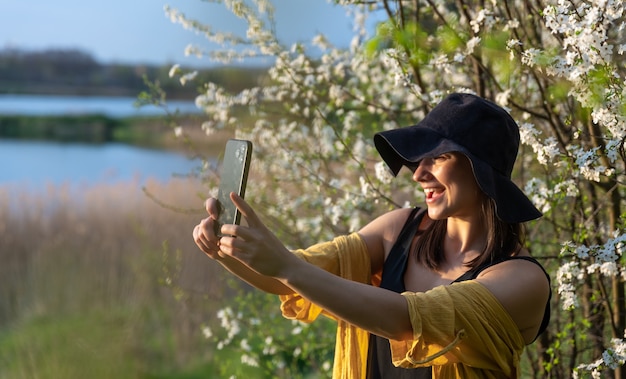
column 422, row 171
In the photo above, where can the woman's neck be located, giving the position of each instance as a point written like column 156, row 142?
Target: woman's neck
column 465, row 239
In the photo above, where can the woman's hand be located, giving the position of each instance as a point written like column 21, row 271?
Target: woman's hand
column 236, row 253
column 255, row 245
column 204, row 233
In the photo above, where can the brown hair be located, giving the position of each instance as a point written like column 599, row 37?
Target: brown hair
column 503, row 239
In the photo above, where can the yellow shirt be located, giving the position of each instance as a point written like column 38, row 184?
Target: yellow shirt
column 461, row 330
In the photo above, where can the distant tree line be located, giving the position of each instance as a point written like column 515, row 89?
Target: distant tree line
column 75, row 72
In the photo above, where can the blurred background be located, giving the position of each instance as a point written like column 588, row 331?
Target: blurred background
column 97, row 195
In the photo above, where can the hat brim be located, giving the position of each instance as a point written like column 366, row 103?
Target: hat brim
column 398, row 148
column 512, row 205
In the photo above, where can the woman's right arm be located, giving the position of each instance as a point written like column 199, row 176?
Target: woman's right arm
column 208, row 242
column 379, row 236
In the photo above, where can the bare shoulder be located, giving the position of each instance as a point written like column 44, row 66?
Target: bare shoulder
column 522, row 288
column 388, row 223
column 380, row 234
column 515, row 273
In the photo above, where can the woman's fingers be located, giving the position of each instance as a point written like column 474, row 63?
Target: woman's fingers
column 227, row 245
column 253, row 244
column 254, row 225
column 205, row 238
column 246, row 210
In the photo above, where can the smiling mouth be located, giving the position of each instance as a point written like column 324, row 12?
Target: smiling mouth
column 431, row 193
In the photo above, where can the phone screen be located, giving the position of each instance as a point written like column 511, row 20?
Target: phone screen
column 233, row 178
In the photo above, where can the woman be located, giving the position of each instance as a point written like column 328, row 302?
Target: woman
column 448, row 291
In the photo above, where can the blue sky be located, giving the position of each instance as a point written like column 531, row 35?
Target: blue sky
column 137, row 31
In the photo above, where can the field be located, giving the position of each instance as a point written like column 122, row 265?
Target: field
column 103, row 282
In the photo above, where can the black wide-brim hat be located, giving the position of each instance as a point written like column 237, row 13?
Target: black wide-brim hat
column 476, row 127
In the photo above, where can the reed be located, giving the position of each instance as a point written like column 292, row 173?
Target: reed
column 103, row 282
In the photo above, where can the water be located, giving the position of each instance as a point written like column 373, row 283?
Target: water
column 36, row 164
column 115, row 107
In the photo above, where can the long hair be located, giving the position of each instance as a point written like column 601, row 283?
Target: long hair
column 503, row 239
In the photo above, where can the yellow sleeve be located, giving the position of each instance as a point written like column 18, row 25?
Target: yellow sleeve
column 462, row 326
column 347, row 257
column 344, row 256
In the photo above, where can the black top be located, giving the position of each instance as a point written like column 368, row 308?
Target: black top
column 379, row 354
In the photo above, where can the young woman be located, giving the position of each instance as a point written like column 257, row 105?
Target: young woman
column 448, row 291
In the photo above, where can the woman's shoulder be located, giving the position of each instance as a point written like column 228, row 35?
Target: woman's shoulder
column 523, row 288
column 380, row 234
column 393, row 221
column 402, row 213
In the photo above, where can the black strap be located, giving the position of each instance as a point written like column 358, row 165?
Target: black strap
column 410, row 229
column 396, row 262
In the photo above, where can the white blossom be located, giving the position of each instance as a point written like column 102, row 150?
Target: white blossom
column 206, row 332
column 174, row 70
column 383, row 172
column 178, row 131
column 249, row 360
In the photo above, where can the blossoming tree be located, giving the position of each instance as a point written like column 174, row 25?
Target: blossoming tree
column 557, row 66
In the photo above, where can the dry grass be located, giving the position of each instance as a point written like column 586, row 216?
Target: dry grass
column 83, row 280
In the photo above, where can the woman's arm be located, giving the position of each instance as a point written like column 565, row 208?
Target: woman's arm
column 378, row 235
column 376, row 310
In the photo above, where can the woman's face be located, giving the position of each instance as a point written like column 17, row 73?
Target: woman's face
column 450, row 187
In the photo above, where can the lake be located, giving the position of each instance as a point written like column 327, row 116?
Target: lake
column 35, row 164
column 115, row 107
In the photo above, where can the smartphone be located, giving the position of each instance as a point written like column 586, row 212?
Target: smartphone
column 233, row 178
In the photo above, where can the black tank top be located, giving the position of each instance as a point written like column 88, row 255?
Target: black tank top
column 379, row 353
